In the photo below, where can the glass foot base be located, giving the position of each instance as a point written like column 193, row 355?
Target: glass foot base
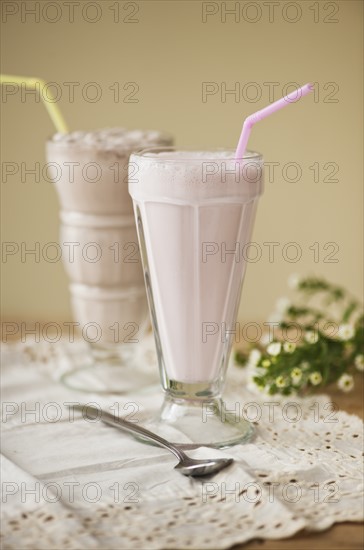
column 99, row 371
column 109, row 379
column 192, row 424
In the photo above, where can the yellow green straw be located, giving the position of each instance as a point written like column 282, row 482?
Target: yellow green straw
column 51, row 107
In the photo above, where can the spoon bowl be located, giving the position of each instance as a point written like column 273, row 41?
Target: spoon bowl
column 206, row 467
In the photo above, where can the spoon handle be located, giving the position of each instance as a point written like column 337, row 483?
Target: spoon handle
column 132, row 427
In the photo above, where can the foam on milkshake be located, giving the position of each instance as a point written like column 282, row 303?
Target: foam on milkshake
column 112, row 139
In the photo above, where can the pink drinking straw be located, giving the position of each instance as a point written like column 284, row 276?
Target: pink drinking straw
column 263, row 113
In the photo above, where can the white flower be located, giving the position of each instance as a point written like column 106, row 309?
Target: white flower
column 266, row 363
column 346, row 332
column 263, row 389
column 254, row 357
column 280, row 382
column 293, row 281
column 289, row 347
column 265, row 339
column 346, row 382
column 315, row 378
column 296, row 375
column 274, row 348
column 275, row 317
column 359, row 362
column 305, row 365
column 282, row 304
column 311, row 337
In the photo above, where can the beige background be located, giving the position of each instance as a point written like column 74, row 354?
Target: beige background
column 169, row 53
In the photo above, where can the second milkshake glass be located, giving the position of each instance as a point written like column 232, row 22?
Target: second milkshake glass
column 90, row 170
column 194, row 214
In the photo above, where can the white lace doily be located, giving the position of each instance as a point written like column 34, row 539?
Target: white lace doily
column 84, row 485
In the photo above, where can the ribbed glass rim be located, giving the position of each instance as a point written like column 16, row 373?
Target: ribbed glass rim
column 149, row 151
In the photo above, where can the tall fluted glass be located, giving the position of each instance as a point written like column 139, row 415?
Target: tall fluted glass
column 194, row 215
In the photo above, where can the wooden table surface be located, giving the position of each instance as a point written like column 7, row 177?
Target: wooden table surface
column 341, row 536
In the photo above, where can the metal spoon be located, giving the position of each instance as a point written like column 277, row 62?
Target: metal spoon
column 186, row 466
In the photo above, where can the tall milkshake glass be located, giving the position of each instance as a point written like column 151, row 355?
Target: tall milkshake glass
column 194, row 214
column 90, row 173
